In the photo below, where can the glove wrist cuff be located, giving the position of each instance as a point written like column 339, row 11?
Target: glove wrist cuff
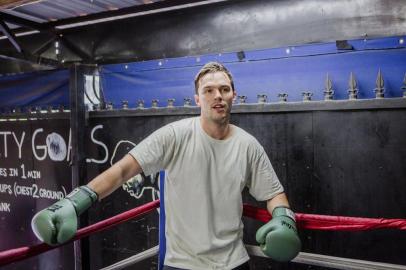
column 82, row 198
column 283, row 211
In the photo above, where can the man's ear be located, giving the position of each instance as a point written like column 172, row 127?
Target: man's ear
column 197, row 101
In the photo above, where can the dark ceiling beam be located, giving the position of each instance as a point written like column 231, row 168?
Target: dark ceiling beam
column 5, row 4
column 121, row 12
column 75, row 49
column 22, row 22
column 32, row 59
column 44, row 47
column 6, row 31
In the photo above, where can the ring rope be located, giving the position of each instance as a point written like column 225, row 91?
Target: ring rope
column 133, row 259
column 330, row 223
column 304, row 221
column 17, row 254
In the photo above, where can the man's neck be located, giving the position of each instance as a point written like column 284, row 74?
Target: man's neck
column 218, row 131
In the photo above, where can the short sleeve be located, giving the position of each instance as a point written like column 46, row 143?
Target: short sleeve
column 263, row 183
column 154, row 152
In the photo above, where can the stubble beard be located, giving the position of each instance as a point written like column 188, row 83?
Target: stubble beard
column 221, row 120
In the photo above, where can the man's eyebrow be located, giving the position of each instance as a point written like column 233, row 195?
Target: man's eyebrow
column 216, row 85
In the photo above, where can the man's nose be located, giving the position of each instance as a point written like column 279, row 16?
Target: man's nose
column 217, row 94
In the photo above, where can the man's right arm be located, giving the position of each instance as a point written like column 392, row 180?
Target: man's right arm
column 111, row 179
column 58, row 223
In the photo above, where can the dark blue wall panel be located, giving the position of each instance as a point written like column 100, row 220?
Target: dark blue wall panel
column 290, row 70
column 35, row 89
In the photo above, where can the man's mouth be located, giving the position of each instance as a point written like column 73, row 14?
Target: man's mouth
column 218, row 106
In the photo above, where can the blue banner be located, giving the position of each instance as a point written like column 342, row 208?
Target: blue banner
column 34, row 89
column 291, row 70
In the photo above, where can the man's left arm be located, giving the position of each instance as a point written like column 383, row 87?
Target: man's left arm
column 279, row 238
column 277, row 201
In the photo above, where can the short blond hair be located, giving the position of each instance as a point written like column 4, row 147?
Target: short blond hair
column 212, row 67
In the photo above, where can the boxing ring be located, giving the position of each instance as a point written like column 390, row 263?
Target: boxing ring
column 286, row 122
column 304, row 222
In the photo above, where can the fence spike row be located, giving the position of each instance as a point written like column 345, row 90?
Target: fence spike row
column 328, row 92
column 380, row 87
column 353, row 90
column 307, row 96
column 283, row 97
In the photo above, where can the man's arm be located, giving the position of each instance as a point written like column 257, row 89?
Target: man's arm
column 278, row 200
column 58, row 223
column 111, row 179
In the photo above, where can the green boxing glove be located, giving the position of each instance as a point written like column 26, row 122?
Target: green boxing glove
column 58, row 223
column 278, row 238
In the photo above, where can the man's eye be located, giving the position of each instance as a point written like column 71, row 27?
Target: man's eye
column 225, row 89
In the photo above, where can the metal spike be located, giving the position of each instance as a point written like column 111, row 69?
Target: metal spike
column 380, row 87
column 187, row 102
column 328, row 92
column 140, row 104
column 353, row 82
column 262, row 98
column 283, row 97
column 353, row 91
column 124, row 104
column 329, row 85
column 171, row 102
column 242, row 99
column 154, row 103
column 307, row 96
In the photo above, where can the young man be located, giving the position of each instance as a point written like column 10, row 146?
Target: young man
column 208, row 162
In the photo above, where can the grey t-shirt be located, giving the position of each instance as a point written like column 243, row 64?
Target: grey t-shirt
column 204, row 181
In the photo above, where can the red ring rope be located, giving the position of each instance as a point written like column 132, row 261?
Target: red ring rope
column 17, row 254
column 330, row 223
column 304, row 221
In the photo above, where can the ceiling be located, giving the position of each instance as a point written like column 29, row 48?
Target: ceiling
column 45, row 11
column 51, row 34
column 52, row 18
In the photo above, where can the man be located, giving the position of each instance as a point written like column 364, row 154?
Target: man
column 208, row 162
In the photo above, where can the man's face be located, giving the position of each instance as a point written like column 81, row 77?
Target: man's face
column 215, row 97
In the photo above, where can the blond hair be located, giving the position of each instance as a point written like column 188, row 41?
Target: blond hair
column 212, row 67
